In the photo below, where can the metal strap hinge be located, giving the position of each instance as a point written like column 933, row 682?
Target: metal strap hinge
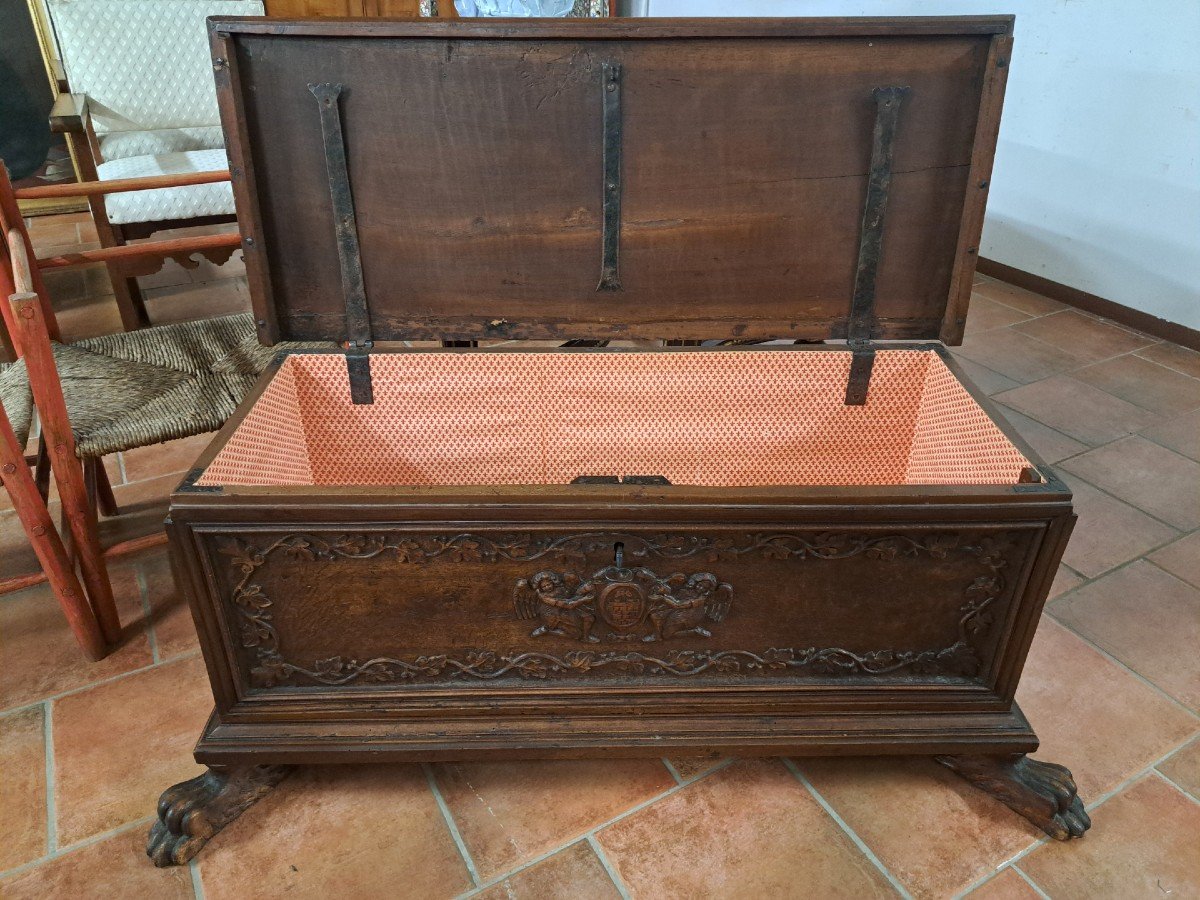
column 861, row 327
column 358, row 371
column 610, row 234
column 862, row 361
column 345, row 226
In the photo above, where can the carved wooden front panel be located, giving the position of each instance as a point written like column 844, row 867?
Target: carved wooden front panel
column 313, row 608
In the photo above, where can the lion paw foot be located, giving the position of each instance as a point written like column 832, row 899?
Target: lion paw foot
column 191, row 812
column 1042, row 792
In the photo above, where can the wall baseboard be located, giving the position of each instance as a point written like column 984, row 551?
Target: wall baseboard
column 1122, row 315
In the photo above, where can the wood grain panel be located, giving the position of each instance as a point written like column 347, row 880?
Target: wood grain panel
column 476, row 172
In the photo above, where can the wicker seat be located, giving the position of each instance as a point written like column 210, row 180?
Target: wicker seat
column 137, row 388
column 17, row 399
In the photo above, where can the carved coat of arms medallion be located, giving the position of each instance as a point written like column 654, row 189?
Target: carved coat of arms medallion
column 618, row 603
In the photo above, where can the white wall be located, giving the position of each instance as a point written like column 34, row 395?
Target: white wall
column 1097, row 178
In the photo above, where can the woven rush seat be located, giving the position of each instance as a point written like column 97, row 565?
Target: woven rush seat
column 133, row 389
column 17, row 399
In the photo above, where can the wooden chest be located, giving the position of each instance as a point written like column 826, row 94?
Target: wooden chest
column 722, row 545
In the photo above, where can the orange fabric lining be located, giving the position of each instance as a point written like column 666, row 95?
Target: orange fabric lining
column 716, row 418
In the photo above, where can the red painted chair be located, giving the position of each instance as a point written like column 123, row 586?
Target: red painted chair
column 83, row 487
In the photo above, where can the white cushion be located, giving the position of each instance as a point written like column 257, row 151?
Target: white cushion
column 119, row 144
column 161, row 204
column 144, row 64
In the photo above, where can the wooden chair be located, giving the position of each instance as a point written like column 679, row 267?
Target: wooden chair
column 141, row 104
column 105, row 394
column 83, row 617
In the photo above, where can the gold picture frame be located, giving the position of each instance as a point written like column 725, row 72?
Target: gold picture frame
column 43, row 29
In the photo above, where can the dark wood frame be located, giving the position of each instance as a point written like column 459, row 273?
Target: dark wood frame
column 261, row 725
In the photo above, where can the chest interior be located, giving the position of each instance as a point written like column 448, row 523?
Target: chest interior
column 705, row 417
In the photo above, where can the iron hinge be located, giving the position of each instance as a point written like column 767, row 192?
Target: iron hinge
column 358, row 371
column 861, row 327
column 862, row 361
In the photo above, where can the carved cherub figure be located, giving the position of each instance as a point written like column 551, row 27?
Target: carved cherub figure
column 683, row 605
column 558, row 603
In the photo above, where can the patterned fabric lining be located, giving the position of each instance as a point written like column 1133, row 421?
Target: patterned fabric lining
column 714, row 418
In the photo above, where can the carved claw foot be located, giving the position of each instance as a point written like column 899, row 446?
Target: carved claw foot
column 1042, row 792
column 191, row 812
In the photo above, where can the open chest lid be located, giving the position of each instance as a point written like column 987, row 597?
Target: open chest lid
column 679, row 179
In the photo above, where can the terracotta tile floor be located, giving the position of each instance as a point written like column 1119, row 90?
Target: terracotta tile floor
column 1112, row 684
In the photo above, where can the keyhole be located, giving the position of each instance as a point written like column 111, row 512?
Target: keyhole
column 619, row 554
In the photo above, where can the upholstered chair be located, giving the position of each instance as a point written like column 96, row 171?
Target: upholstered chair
column 142, row 103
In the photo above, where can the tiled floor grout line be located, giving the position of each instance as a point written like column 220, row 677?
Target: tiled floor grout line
column 1156, row 443
column 1088, row 448
column 1033, row 884
column 139, row 578
column 1151, row 769
column 455, row 834
column 190, row 654
column 1162, row 365
column 1177, row 786
column 78, row 845
column 594, row 830
column 1123, row 437
column 1168, row 572
column 1067, row 307
column 51, row 798
column 1009, row 863
column 197, row 882
column 1089, row 580
column 1049, row 610
column 482, row 886
column 1074, row 572
column 1179, row 532
column 618, row 883
column 1067, row 371
column 1138, row 675
column 674, row 772
column 858, row 842
column 1028, row 316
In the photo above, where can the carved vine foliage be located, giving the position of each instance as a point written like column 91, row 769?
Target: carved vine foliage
column 270, row 668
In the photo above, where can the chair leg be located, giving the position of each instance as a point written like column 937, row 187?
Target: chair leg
column 35, row 520
column 105, row 495
column 8, row 353
column 65, row 465
column 130, row 302
column 85, row 531
column 42, row 469
column 68, row 536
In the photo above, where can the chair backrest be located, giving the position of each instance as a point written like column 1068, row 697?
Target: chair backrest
column 144, row 64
